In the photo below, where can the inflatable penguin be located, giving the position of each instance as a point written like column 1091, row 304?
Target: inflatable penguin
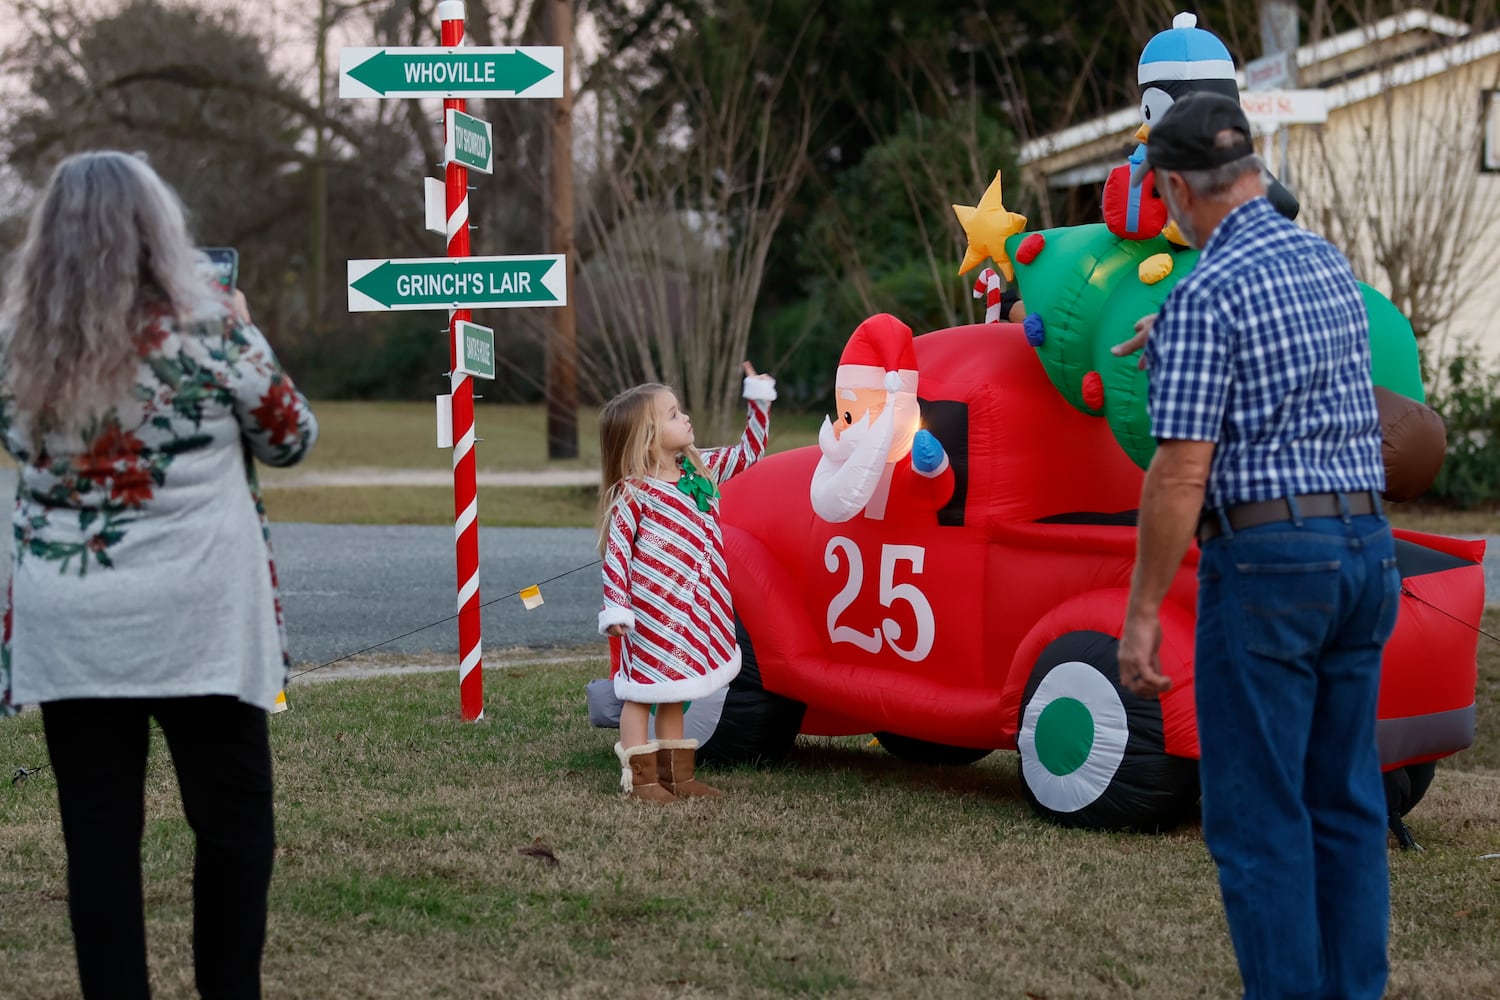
column 1182, row 60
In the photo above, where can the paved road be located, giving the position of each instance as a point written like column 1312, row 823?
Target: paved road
column 347, row 587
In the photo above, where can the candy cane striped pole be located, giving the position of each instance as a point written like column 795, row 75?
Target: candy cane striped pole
column 987, row 287
column 465, row 483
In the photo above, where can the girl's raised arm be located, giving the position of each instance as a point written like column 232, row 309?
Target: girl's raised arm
column 760, row 391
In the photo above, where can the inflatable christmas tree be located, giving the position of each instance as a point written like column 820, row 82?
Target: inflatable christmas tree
column 1084, row 288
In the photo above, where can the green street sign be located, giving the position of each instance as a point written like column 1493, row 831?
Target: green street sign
column 476, row 350
column 457, row 283
column 469, row 142
column 464, row 71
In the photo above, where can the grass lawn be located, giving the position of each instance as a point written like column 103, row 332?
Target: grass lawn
column 404, row 436
column 386, row 436
column 414, row 862
column 499, row 506
column 511, row 438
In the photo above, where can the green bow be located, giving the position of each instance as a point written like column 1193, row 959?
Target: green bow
column 700, row 488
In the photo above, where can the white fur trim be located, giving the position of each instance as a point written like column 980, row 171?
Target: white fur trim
column 671, row 692
column 1197, row 69
column 942, row 468
column 627, row 779
column 677, row 744
column 614, row 615
column 650, row 746
column 874, row 377
column 763, row 389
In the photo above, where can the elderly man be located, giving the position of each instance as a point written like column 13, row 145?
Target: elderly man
column 1269, row 450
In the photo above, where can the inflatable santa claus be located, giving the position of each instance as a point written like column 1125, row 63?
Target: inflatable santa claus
column 877, row 460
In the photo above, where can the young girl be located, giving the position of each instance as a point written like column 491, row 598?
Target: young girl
column 666, row 587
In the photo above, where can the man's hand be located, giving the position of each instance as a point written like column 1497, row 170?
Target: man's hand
column 1171, row 501
column 1139, row 656
column 615, row 630
column 1143, row 328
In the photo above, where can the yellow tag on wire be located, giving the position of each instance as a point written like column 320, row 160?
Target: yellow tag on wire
column 532, row 597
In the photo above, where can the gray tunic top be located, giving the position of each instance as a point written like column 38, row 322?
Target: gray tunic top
column 142, row 556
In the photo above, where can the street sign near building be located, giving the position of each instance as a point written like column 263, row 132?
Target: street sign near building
column 1273, row 72
column 1270, row 108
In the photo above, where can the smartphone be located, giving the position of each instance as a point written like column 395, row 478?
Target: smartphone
column 226, row 265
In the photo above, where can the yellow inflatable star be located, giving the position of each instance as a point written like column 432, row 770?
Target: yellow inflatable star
column 988, row 225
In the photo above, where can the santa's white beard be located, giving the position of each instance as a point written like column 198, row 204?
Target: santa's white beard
column 852, row 465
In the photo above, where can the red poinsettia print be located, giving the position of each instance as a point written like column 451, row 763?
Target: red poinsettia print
column 131, row 486
column 113, row 451
column 277, row 413
column 150, row 339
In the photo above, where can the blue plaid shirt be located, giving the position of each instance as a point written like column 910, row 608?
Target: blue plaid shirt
column 1265, row 349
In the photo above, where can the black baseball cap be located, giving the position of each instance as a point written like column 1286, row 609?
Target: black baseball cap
column 1184, row 138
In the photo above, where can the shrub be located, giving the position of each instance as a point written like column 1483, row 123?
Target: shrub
column 1468, row 398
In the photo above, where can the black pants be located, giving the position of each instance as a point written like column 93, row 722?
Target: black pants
column 222, row 754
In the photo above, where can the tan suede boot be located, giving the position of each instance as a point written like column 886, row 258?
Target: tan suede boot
column 674, row 769
column 638, row 773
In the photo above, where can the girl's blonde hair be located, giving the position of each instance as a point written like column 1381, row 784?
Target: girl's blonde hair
column 106, row 235
column 627, row 446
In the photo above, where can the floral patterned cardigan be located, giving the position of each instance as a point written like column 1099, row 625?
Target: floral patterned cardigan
column 141, row 554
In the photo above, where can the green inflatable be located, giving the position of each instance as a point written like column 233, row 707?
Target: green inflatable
column 1084, row 288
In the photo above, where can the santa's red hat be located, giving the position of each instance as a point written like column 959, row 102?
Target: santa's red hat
column 879, row 355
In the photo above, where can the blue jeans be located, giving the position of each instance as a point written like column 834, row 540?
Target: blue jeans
column 1291, row 620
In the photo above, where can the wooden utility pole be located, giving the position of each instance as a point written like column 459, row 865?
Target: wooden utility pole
column 562, row 344
column 319, row 263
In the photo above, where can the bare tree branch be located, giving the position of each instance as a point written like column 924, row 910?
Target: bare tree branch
column 682, row 220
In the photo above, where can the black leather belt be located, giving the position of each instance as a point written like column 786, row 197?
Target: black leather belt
column 1248, row 515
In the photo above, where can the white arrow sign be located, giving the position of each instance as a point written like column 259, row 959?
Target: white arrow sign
column 1284, row 107
column 457, row 283
column 464, row 71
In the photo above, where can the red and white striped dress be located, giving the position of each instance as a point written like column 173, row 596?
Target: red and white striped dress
column 665, row 579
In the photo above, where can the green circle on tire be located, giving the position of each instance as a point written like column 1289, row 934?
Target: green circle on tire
column 1093, row 754
column 1064, row 735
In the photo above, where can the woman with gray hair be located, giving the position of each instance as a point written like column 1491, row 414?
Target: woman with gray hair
column 133, row 396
